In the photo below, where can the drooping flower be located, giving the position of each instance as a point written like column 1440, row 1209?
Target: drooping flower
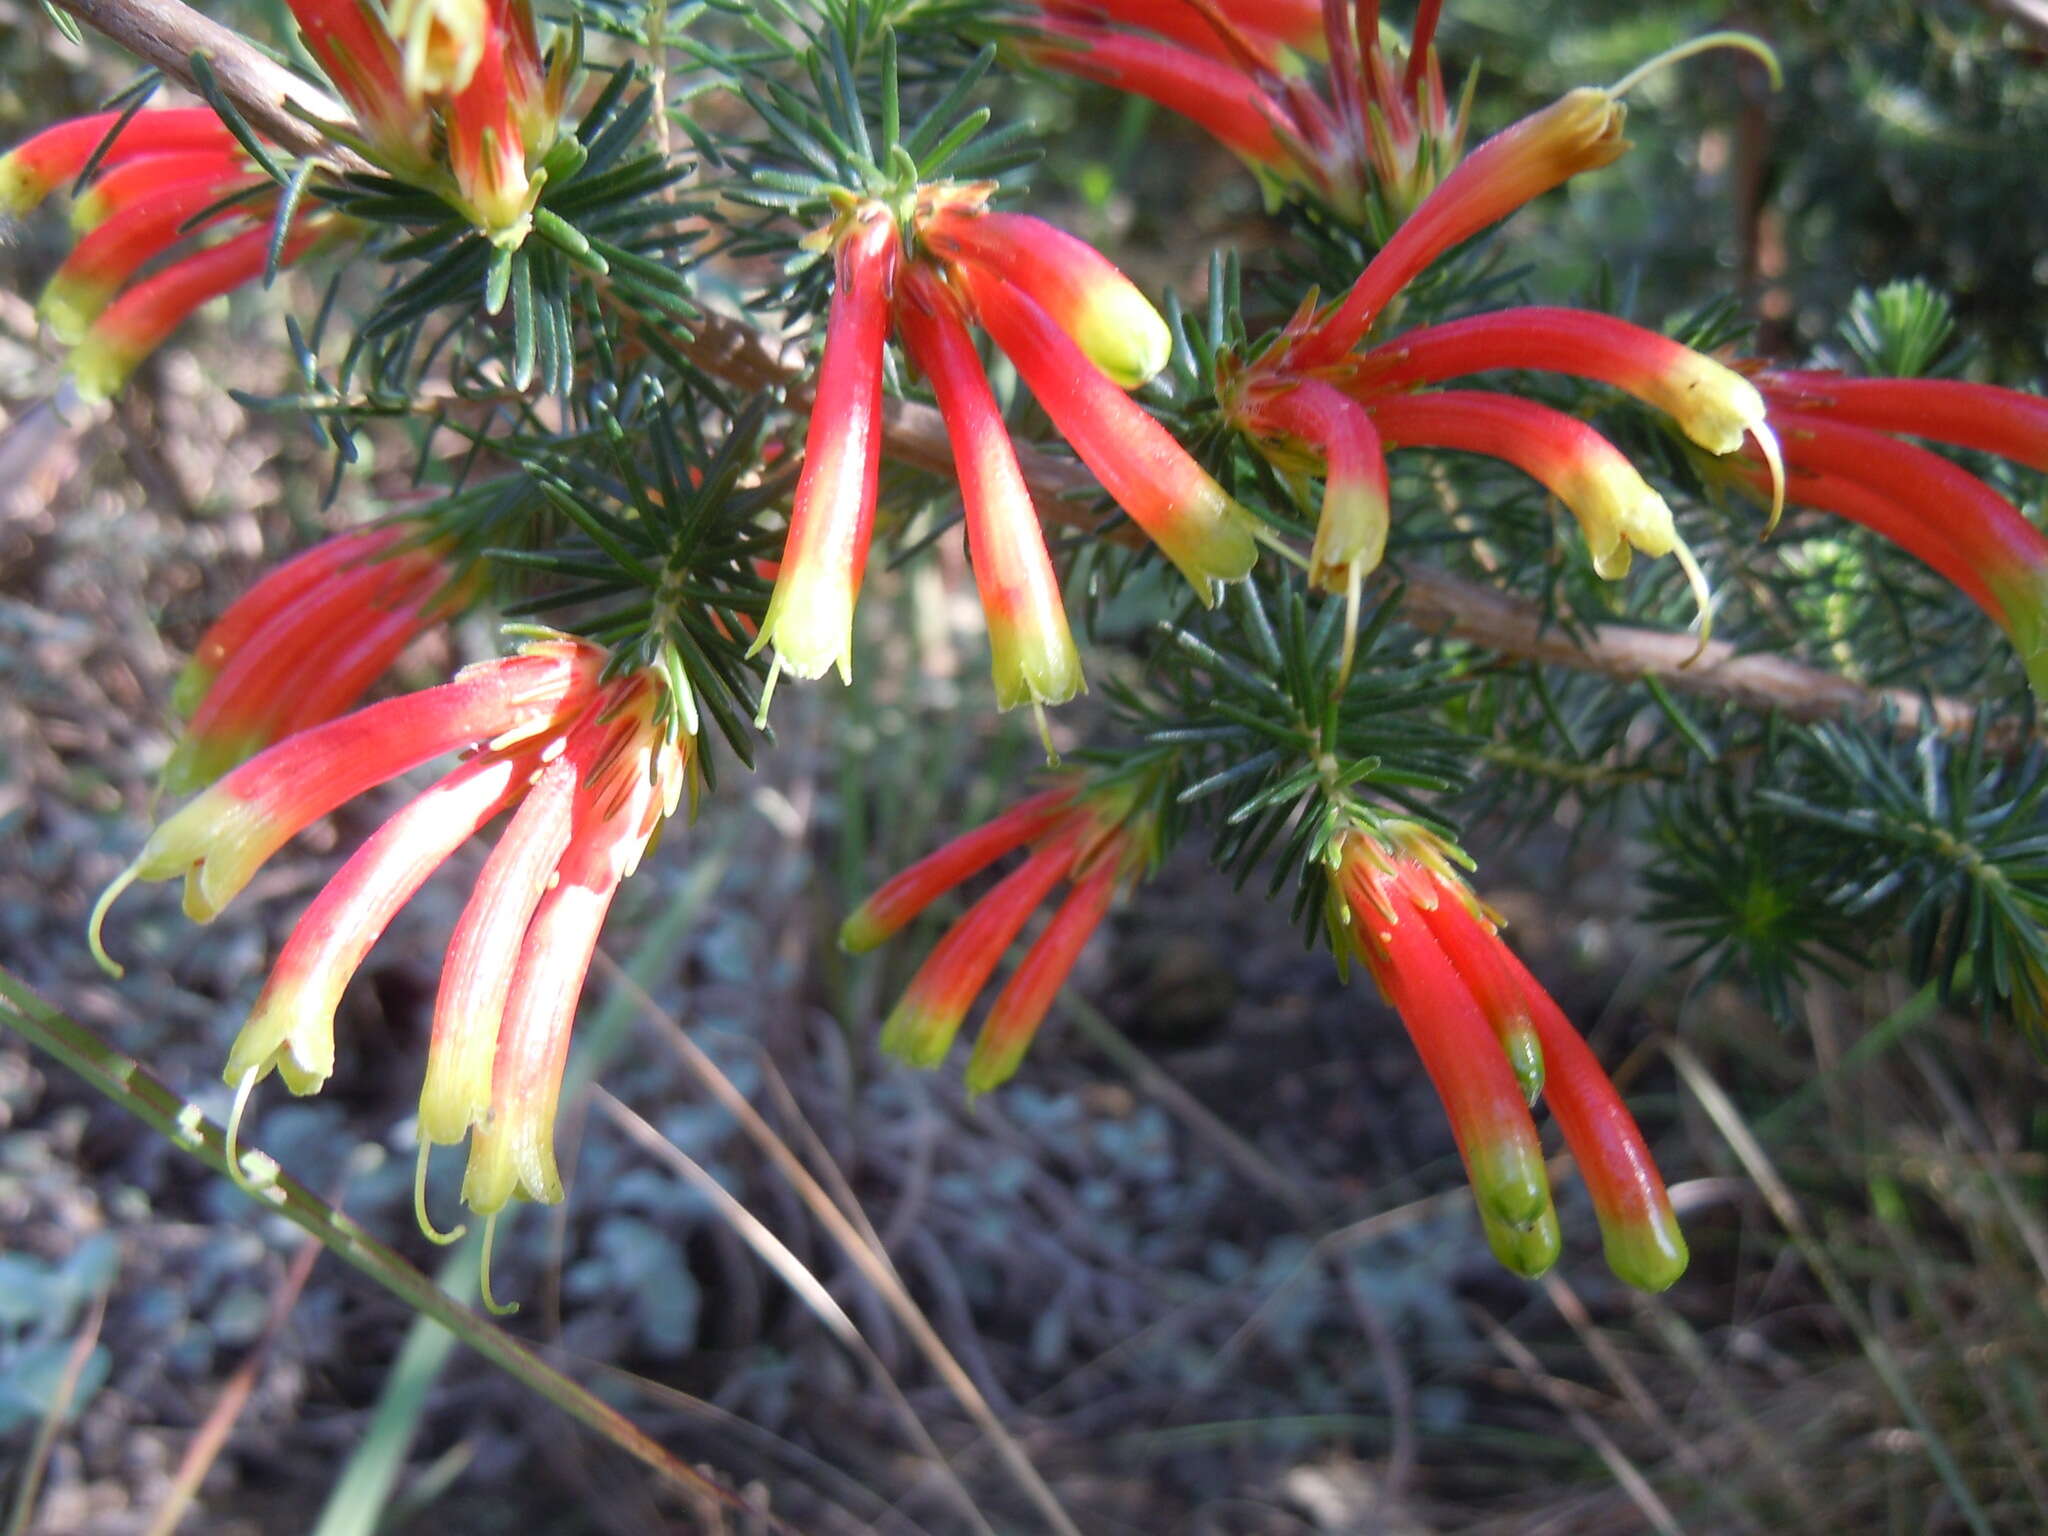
column 1491, row 1039
column 589, row 768
column 1280, row 396
column 1172, row 498
column 1032, row 649
column 1075, row 284
column 55, row 157
column 1929, row 506
column 1369, row 147
column 219, row 840
column 304, row 643
column 619, row 774
column 1098, row 841
column 1309, row 426
column 143, row 317
column 131, row 216
column 810, row 616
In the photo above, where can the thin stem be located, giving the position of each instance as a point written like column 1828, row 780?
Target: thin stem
column 127, row 1084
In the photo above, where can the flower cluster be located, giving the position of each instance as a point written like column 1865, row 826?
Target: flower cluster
column 452, row 95
column 164, row 181
column 589, row 767
column 1311, row 396
column 1493, row 1041
column 1368, row 150
column 1080, row 335
column 1099, row 841
column 303, row 644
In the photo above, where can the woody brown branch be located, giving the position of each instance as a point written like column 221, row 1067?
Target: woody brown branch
column 167, row 33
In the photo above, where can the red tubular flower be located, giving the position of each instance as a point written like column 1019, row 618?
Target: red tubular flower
column 119, row 187
column 1240, row 115
column 1371, row 147
column 1032, row 648
column 883, row 914
column 921, row 1027
column 1100, row 839
column 593, row 769
column 1935, row 510
column 1580, row 132
column 118, row 247
column 1928, row 540
column 487, row 153
column 1075, row 284
column 1264, row 29
column 810, row 615
column 1489, row 1034
column 351, row 43
column 270, row 599
column 1167, row 494
column 630, row 776
column 291, row 1026
column 1473, row 945
column 1013, row 1018
column 57, row 155
column 139, row 322
column 1615, row 506
column 1638, row 1229
column 1341, row 442
column 309, row 661
column 1713, row 405
column 2006, row 422
column 483, row 951
column 1481, row 1094
column 218, row 841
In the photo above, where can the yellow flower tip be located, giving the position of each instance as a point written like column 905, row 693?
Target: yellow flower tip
column 1649, row 1255
column 457, row 1092
column 1510, row 1180
column 992, row 1066
column 69, row 307
column 1039, row 667
column 1123, row 335
column 1528, row 1251
column 428, row 1230
column 1767, row 445
column 489, row 1181
column 96, row 924
column 919, row 1035
column 288, row 1034
column 22, row 186
column 1351, row 537
column 810, row 624
column 98, row 367
column 862, row 932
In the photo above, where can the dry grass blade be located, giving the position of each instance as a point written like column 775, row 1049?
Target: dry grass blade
column 1749, row 1152
column 1624, row 1471
column 60, row 1405
column 776, row 1254
column 1639, row 1398
column 234, row 1396
column 874, row 1266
